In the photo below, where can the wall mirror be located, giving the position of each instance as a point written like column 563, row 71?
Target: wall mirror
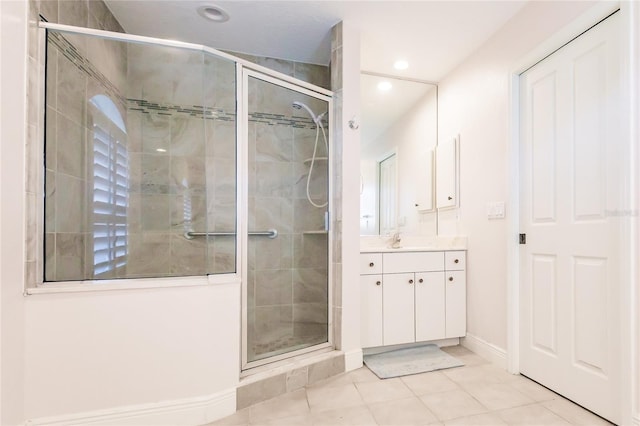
column 399, row 123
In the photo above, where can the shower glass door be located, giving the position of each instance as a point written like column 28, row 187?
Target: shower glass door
column 286, row 282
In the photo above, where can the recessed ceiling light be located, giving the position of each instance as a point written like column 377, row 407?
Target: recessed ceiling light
column 213, row 13
column 401, row 65
column 161, row 150
column 384, row 86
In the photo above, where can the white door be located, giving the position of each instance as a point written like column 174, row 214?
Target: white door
column 398, row 309
column 569, row 190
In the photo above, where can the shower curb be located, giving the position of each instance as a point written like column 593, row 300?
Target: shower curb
column 262, row 386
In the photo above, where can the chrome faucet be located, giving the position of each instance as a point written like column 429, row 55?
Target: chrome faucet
column 395, row 242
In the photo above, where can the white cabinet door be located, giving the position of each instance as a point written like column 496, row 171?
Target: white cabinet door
column 456, row 304
column 429, row 305
column 371, row 310
column 447, row 174
column 398, row 309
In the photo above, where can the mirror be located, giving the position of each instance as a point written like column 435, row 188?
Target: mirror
column 398, row 139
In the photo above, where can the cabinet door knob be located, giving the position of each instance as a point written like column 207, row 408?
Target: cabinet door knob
column 456, row 261
column 371, row 265
column 410, row 281
column 450, row 278
column 449, row 198
column 378, row 283
column 420, row 280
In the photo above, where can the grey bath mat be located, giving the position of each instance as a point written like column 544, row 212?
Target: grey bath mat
column 403, row 362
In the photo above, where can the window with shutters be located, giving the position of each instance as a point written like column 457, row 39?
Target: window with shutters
column 110, row 189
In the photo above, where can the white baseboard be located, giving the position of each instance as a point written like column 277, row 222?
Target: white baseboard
column 353, row 359
column 188, row 412
column 486, row 350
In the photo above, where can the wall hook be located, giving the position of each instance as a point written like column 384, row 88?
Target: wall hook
column 353, row 124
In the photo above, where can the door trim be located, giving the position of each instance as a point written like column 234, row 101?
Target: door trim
column 629, row 327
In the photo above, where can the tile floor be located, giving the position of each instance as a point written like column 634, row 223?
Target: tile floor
column 476, row 394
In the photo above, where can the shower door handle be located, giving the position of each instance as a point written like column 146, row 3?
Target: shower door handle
column 190, row 235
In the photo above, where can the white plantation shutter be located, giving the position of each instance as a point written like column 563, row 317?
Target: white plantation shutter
column 110, row 191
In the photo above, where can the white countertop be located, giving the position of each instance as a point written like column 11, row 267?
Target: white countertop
column 381, row 244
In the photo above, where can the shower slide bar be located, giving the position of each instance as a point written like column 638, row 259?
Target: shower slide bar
column 190, row 235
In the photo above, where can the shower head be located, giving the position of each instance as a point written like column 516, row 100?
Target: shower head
column 316, row 118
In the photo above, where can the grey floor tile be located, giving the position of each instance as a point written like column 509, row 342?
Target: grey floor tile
column 348, row 416
column 402, row 412
column 479, row 374
column 498, row 396
column 383, row 390
column 531, row 415
column 452, row 404
column 488, row 419
column 574, row 413
column 334, row 397
column 287, row 405
column 240, row 418
column 306, row 420
column 476, row 394
column 362, row 374
column 533, row 390
column 426, row 383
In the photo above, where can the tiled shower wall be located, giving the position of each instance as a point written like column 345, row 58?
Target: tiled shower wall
column 181, row 124
column 288, row 281
column 66, row 130
column 156, row 215
column 336, row 214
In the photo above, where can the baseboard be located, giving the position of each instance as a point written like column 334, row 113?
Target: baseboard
column 353, row 359
column 188, row 412
column 486, row 350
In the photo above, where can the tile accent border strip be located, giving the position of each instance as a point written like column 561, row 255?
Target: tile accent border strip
column 68, row 50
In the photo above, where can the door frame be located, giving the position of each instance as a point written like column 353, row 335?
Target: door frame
column 243, row 73
column 629, row 244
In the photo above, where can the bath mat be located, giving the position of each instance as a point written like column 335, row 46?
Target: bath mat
column 403, row 362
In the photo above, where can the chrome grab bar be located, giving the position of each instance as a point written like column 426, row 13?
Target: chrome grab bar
column 190, row 235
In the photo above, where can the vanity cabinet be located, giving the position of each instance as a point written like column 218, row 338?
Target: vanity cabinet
column 412, row 297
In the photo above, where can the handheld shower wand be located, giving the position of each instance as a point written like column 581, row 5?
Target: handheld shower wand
column 317, row 119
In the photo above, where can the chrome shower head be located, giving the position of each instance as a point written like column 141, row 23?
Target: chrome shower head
column 316, row 118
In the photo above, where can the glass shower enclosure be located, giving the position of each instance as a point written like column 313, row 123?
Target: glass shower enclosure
column 166, row 159
column 287, row 297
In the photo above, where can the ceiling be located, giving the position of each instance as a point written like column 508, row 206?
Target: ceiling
column 433, row 36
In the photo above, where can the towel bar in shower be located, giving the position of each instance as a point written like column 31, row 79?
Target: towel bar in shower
column 189, row 235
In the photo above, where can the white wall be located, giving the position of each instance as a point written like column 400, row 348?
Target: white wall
column 91, row 351
column 474, row 101
column 350, row 197
column 634, row 72
column 73, row 353
column 12, row 136
column 410, row 137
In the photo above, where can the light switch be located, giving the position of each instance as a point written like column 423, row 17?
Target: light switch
column 495, row 210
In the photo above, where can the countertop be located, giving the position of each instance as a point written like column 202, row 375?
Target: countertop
column 379, row 244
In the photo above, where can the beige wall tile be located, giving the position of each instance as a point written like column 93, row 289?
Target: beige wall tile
column 260, row 391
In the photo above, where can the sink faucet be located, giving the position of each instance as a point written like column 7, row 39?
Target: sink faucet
column 395, row 242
